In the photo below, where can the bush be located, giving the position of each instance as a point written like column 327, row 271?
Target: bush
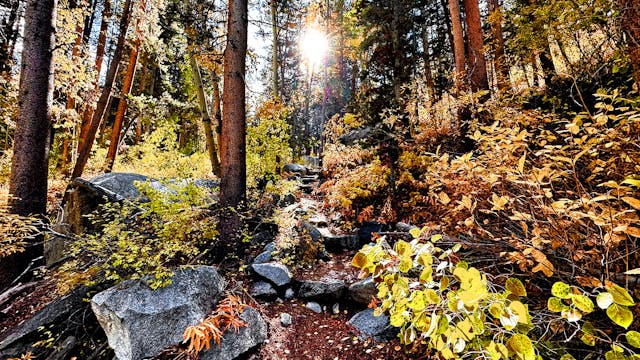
column 147, row 239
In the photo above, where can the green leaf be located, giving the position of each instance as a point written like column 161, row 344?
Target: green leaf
column 620, row 315
column 405, row 264
column 583, row 303
column 521, row 345
column 613, row 355
column 516, row 287
column 620, row 295
column 561, row 290
column 555, row 304
column 432, row 296
column 633, row 338
column 604, row 300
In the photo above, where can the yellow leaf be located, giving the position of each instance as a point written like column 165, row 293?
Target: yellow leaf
column 444, row 198
column 635, row 203
column 521, row 163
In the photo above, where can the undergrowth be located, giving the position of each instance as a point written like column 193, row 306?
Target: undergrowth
column 145, row 239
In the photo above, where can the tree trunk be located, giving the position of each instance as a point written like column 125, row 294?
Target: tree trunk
column 477, row 63
column 630, row 24
column 217, row 105
column 428, row 77
column 501, row 67
column 206, row 118
column 127, row 85
column 233, row 146
column 102, row 40
column 274, row 52
column 9, row 32
column 458, row 45
column 395, row 43
column 29, row 170
column 98, row 114
column 122, row 107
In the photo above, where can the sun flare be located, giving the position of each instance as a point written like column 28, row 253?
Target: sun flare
column 314, row 45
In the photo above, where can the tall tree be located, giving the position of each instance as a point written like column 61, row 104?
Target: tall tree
column 233, row 145
column 212, row 147
column 502, row 69
column 101, row 107
column 274, row 51
column 458, row 44
column 127, row 84
column 477, row 63
column 29, row 170
column 630, row 23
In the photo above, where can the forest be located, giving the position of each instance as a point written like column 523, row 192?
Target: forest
column 319, row 179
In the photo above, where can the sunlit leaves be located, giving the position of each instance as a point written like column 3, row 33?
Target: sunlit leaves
column 620, row 315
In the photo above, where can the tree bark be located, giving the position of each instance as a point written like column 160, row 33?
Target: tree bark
column 102, row 40
column 458, row 45
column 217, row 108
column 233, row 146
column 274, row 52
column 98, row 114
column 630, row 24
column 29, row 170
column 206, row 118
column 502, row 70
column 477, row 63
column 428, row 77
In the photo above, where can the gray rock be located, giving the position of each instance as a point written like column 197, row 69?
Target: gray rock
column 140, row 322
column 289, row 294
column 263, row 258
column 122, row 185
column 262, row 289
column 295, row 168
column 285, row 319
column 270, row 247
column 311, row 161
column 315, row 234
column 234, row 343
column 275, row 273
column 404, row 227
column 324, row 290
column 362, row 291
column 355, row 135
column 17, row 342
column 376, row 327
column 314, row 306
column 339, row 243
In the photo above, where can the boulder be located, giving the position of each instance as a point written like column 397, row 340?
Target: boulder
column 234, row 343
column 311, row 161
column 376, row 327
column 323, row 290
column 140, row 322
column 263, row 257
column 85, row 196
column 362, row 291
column 19, row 340
column 365, row 233
column 275, row 273
column 262, row 289
column 295, row 168
column 339, row 243
column 355, row 135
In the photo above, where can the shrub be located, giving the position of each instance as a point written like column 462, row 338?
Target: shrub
column 146, row 239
